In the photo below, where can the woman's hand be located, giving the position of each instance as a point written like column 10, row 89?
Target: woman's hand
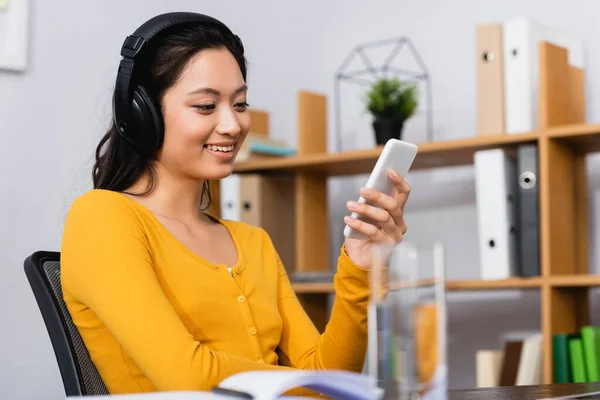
column 386, row 224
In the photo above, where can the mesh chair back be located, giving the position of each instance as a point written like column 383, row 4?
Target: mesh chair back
column 79, row 374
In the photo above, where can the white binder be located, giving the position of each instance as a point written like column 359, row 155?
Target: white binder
column 496, row 193
column 530, row 363
column 521, row 38
column 230, row 197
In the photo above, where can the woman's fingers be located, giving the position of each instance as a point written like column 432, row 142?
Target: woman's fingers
column 383, row 218
column 389, row 204
column 379, row 215
column 368, row 229
column 376, row 218
column 402, row 188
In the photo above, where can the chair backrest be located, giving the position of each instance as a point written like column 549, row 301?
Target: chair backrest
column 79, row 374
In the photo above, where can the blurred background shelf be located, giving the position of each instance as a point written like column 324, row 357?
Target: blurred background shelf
column 563, row 212
column 584, row 138
column 431, row 155
column 513, row 283
column 583, row 280
column 449, row 153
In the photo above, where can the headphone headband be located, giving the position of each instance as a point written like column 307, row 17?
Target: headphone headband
column 138, row 43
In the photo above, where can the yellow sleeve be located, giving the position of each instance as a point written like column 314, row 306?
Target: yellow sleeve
column 343, row 345
column 106, row 264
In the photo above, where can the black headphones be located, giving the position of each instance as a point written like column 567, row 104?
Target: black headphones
column 137, row 115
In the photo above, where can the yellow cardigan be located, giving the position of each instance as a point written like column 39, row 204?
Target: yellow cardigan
column 157, row 317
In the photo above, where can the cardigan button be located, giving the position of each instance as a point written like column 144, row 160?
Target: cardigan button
column 241, row 299
column 252, row 331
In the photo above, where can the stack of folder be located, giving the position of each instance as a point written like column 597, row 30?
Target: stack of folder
column 517, row 61
column 507, row 192
column 508, row 73
column 577, row 355
column 518, row 363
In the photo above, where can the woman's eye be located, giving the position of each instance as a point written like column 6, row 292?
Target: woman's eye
column 242, row 105
column 205, row 107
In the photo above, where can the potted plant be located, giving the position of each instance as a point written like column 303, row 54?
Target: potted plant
column 390, row 102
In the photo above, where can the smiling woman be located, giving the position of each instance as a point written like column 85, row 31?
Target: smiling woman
column 166, row 296
column 187, row 93
column 215, row 114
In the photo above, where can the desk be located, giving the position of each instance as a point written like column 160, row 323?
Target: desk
column 525, row 392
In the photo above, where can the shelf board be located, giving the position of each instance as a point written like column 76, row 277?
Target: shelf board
column 566, row 281
column 585, row 138
column 446, row 153
column 501, row 284
column 431, row 155
column 583, row 280
column 316, row 287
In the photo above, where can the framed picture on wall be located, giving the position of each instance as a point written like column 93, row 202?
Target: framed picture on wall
column 14, row 34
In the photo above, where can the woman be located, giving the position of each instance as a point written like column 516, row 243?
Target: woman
column 166, row 296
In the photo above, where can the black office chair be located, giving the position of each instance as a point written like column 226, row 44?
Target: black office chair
column 79, row 374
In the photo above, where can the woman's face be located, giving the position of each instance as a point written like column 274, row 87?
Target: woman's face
column 206, row 117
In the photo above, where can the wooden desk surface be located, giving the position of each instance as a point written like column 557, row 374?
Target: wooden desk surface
column 527, row 392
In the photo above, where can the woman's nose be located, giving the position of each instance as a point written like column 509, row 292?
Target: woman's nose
column 228, row 124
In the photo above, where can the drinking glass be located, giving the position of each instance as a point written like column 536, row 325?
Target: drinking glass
column 407, row 321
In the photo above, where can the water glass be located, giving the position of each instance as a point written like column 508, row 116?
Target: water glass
column 407, row 321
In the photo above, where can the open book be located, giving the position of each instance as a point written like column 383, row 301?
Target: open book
column 270, row 385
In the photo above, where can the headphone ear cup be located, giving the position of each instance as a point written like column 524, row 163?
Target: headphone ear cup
column 146, row 125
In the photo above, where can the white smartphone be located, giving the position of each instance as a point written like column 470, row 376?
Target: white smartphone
column 397, row 155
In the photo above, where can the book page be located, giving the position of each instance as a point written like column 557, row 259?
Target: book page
column 269, row 385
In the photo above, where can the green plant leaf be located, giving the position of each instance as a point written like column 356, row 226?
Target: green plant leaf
column 391, row 98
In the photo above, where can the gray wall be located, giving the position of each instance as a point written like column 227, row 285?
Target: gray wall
column 53, row 115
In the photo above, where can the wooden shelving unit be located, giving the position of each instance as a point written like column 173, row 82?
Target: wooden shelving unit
column 562, row 143
column 564, row 282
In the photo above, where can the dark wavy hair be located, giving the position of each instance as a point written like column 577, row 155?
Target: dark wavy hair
column 118, row 165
